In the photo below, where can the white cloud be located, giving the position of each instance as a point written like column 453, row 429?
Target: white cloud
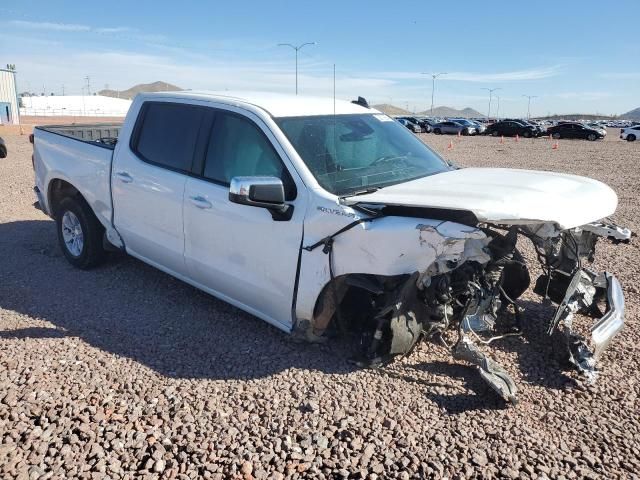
column 494, row 77
column 60, row 27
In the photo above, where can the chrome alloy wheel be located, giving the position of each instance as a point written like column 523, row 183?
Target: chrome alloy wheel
column 72, row 233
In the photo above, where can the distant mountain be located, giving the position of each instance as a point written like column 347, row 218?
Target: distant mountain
column 452, row 112
column 140, row 88
column 632, row 115
column 391, row 110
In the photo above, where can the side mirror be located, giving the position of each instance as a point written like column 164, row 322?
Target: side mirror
column 262, row 192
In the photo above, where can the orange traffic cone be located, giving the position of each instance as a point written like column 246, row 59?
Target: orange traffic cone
column 517, row 138
column 450, row 146
column 502, row 139
column 554, row 146
column 21, row 130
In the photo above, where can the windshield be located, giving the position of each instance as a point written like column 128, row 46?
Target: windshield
column 349, row 153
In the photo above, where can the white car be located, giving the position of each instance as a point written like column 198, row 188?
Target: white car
column 322, row 216
column 630, row 134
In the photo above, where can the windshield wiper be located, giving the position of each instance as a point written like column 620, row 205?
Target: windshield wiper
column 364, row 191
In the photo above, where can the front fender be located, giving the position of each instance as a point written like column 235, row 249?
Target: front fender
column 387, row 246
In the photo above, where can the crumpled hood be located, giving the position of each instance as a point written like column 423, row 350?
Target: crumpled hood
column 505, row 196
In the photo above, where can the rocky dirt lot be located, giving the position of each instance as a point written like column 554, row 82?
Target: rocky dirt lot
column 124, row 372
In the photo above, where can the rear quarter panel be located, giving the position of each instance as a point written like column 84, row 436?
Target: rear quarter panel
column 84, row 165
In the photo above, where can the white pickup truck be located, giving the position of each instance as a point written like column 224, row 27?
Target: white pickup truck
column 327, row 217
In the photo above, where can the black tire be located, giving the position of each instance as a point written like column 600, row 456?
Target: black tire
column 556, row 135
column 527, row 134
column 465, row 132
column 494, row 133
column 437, row 131
column 631, row 138
column 592, row 137
column 92, row 252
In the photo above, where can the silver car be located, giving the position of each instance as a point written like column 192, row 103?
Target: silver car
column 454, row 128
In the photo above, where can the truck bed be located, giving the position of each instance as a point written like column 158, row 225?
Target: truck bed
column 104, row 134
column 80, row 155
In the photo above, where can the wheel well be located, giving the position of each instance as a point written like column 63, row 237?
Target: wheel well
column 58, row 191
column 354, row 293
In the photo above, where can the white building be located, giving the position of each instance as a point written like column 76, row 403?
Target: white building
column 74, row 105
column 9, row 112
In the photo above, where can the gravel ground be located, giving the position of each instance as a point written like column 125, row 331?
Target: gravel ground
column 124, row 372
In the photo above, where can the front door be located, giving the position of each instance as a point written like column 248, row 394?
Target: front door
column 239, row 252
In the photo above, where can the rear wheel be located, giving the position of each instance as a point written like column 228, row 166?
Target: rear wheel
column 79, row 233
column 437, row 131
column 465, row 132
column 494, row 133
column 555, row 135
column 526, row 134
column 631, row 138
column 592, row 137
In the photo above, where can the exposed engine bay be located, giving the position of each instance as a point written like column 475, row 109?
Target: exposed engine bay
column 468, row 298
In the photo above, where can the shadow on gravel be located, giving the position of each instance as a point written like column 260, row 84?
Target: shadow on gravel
column 130, row 309
column 133, row 310
column 33, row 332
column 482, row 398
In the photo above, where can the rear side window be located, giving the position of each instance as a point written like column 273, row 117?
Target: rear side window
column 237, row 148
column 168, row 133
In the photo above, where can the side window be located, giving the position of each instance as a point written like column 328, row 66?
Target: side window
column 239, row 148
column 168, row 133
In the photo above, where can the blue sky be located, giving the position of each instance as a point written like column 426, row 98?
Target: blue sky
column 575, row 56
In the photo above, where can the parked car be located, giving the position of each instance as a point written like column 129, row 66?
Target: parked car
column 597, row 126
column 574, row 130
column 473, row 127
column 511, row 128
column 424, row 126
column 631, row 134
column 452, row 127
column 415, row 128
column 322, row 216
column 3, row 149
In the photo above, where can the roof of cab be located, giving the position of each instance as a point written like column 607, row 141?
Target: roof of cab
column 275, row 104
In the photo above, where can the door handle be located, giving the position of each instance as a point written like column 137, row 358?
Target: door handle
column 124, row 177
column 200, row 202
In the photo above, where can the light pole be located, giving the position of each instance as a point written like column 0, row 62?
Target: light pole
column 529, row 97
column 498, row 109
column 433, row 85
column 297, row 49
column 491, row 90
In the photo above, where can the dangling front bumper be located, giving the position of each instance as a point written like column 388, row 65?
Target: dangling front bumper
column 585, row 290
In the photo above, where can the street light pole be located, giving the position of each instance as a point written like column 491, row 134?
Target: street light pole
column 529, row 97
column 297, row 49
column 498, row 109
column 491, row 90
column 433, row 85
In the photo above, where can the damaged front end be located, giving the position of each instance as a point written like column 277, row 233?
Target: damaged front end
column 471, row 290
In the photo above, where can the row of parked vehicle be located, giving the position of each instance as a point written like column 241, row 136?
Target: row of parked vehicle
column 506, row 127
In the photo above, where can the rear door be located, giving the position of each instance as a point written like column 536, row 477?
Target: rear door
column 148, row 182
column 239, row 252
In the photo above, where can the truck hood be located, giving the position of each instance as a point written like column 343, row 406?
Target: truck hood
column 505, row 196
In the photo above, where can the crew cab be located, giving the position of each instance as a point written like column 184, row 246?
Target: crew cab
column 327, row 217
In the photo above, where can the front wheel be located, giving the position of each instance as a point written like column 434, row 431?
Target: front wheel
column 526, row 134
column 556, row 136
column 631, row 138
column 592, row 137
column 494, row 133
column 437, row 131
column 79, row 233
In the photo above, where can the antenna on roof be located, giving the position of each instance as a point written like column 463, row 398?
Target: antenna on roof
column 362, row 102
